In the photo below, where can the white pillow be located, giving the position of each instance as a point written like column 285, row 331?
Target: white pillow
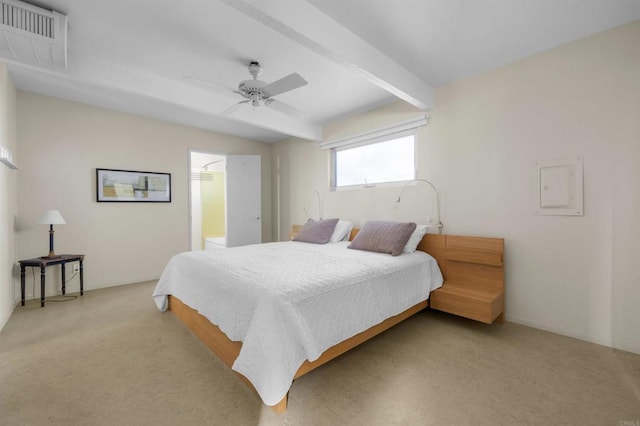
column 415, row 239
column 342, row 231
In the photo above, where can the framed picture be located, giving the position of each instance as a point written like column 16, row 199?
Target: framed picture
column 130, row 186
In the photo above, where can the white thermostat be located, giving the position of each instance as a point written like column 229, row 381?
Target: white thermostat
column 559, row 187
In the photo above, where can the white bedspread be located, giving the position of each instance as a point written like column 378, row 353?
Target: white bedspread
column 290, row 301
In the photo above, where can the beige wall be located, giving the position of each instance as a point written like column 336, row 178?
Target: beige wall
column 60, row 145
column 568, row 274
column 572, row 275
column 8, row 200
column 304, row 168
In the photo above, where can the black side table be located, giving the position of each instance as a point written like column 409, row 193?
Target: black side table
column 42, row 263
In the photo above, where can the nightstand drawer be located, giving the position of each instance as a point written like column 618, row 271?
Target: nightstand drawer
column 478, row 303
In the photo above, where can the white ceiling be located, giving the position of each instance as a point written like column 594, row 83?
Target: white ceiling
column 150, row 57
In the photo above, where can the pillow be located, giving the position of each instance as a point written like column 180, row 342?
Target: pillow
column 316, row 231
column 383, row 237
column 415, row 238
column 342, row 231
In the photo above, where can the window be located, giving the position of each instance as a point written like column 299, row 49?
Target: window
column 382, row 155
column 391, row 160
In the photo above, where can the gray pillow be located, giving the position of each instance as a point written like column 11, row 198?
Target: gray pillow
column 316, row 231
column 382, row 236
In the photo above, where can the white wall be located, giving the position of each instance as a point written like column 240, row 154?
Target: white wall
column 573, row 275
column 60, row 144
column 8, row 200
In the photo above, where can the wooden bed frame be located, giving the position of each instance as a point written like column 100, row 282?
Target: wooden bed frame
column 462, row 257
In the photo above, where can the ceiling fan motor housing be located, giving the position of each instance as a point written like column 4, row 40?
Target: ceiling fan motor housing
column 257, row 92
column 253, row 90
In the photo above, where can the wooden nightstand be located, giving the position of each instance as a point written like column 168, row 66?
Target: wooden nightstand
column 473, row 270
column 294, row 231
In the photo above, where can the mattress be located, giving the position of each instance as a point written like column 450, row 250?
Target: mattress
column 290, row 301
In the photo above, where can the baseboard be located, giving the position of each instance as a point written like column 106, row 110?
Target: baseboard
column 5, row 318
column 588, row 338
column 72, row 287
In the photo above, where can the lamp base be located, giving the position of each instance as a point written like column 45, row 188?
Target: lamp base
column 51, row 255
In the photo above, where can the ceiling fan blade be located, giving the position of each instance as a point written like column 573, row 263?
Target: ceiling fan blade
column 284, row 108
column 290, row 82
column 232, row 108
column 215, row 86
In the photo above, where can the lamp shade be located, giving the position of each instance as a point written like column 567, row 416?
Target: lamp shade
column 51, row 217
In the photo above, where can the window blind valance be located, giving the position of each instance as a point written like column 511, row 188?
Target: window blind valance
column 376, row 135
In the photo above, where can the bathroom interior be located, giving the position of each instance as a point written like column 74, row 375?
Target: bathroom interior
column 208, row 221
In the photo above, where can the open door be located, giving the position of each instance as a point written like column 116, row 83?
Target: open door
column 243, row 200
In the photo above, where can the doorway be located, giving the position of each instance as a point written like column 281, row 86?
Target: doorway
column 208, row 201
column 225, row 200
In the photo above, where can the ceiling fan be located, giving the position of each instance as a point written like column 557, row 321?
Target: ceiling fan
column 258, row 93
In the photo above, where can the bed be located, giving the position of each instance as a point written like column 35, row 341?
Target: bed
column 247, row 323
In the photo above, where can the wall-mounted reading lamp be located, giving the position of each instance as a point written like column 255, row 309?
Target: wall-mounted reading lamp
column 317, row 194
column 439, row 224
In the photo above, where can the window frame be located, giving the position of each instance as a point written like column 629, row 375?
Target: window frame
column 380, row 139
column 385, row 133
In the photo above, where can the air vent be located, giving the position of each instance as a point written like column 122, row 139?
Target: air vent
column 23, row 19
column 32, row 35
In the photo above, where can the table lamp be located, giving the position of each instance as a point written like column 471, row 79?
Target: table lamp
column 51, row 217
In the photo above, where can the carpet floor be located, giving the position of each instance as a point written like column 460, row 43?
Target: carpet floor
column 111, row 358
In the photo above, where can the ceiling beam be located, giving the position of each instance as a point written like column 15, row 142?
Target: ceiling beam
column 195, row 98
column 303, row 23
column 119, row 78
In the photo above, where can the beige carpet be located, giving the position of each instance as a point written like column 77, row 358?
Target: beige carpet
column 111, row 358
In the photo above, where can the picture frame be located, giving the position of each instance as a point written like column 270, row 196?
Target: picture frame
column 113, row 185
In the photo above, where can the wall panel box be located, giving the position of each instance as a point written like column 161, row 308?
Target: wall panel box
column 559, row 188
